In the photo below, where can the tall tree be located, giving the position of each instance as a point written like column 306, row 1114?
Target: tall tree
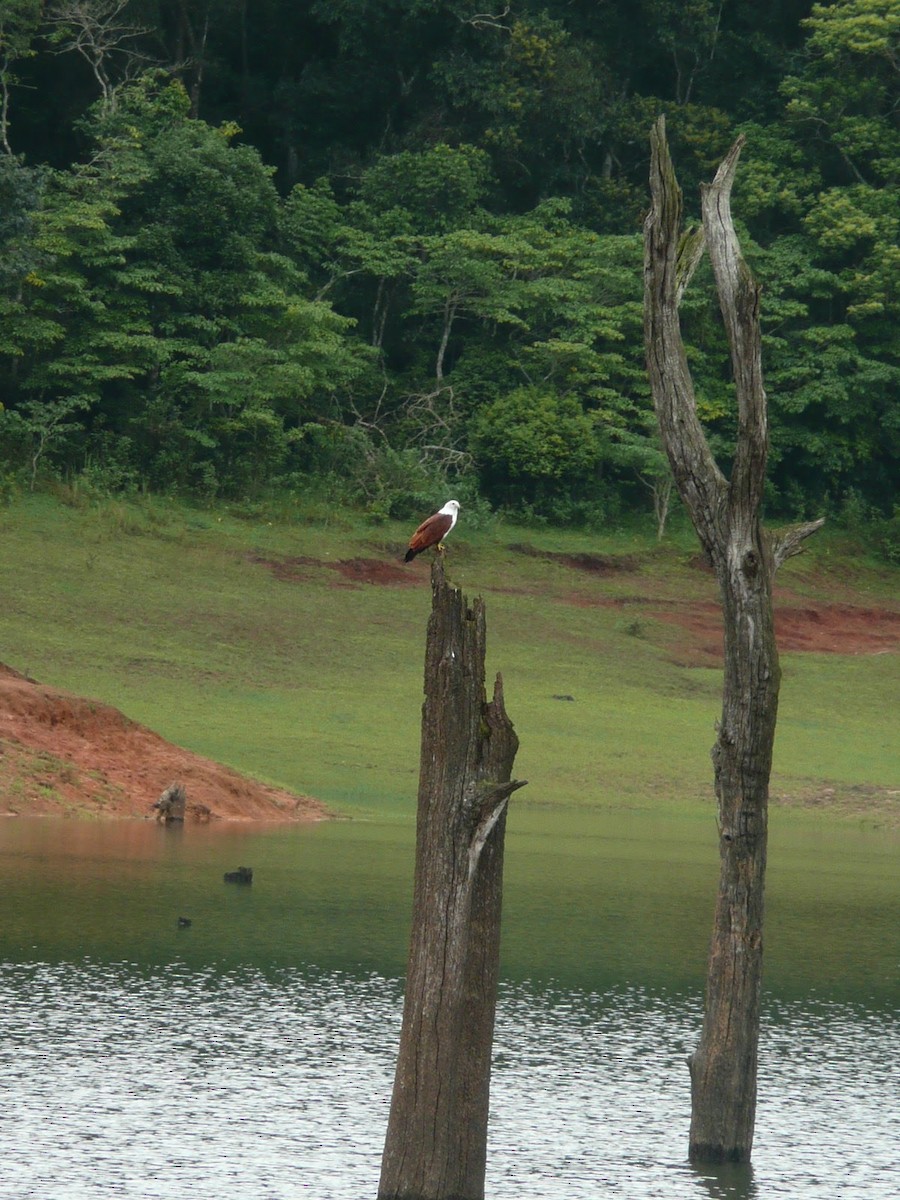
column 726, row 515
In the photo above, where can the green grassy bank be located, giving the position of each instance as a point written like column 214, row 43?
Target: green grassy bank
column 240, row 639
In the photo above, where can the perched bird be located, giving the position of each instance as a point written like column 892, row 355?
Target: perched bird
column 433, row 531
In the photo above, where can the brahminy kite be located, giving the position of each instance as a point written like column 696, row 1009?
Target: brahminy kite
column 433, row 531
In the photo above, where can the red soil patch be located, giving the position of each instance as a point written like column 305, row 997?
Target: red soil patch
column 838, row 629
column 800, row 624
column 288, row 567
column 60, row 753
column 374, row 570
column 595, row 564
column 814, row 628
column 294, row 569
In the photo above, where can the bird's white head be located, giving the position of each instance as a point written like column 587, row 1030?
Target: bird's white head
column 451, row 510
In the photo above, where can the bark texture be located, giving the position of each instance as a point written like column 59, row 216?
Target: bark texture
column 436, row 1141
column 726, row 515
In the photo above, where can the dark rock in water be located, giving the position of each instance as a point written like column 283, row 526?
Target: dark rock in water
column 184, row 922
column 241, row 875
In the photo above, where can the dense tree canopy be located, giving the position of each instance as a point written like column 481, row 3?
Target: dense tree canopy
column 246, row 246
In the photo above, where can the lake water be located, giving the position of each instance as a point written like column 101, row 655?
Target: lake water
column 252, row 1054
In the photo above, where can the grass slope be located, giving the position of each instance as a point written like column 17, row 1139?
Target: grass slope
column 238, row 639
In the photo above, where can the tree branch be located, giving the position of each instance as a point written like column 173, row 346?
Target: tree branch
column 739, row 303
column 492, row 802
column 92, row 28
column 669, row 262
column 487, row 20
column 691, row 245
column 788, row 542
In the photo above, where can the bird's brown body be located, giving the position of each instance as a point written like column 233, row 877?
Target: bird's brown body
column 433, row 531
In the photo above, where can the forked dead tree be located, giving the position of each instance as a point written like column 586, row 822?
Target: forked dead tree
column 726, row 514
column 436, row 1141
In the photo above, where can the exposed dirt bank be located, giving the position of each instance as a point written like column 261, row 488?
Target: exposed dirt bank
column 800, row 626
column 63, row 755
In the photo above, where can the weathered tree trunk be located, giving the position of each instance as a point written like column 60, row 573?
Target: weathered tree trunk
column 436, row 1141
column 726, row 515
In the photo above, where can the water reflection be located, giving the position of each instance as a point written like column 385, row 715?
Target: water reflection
column 591, row 900
column 253, row 1052
column 728, row 1181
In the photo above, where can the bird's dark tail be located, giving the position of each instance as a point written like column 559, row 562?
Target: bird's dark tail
column 410, row 555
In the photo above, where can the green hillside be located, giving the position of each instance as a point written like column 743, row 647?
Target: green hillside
column 293, row 651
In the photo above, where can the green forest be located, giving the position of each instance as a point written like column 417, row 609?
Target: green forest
column 376, row 250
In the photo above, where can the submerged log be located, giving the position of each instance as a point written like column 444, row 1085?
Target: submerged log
column 436, row 1141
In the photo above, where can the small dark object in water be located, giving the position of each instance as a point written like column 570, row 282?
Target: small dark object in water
column 184, row 922
column 241, row 875
column 562, row 697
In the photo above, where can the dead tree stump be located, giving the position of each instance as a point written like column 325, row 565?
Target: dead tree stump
column 436, row 1142
column 171, row 804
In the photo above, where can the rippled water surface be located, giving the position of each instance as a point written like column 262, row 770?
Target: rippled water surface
column 252, row 1054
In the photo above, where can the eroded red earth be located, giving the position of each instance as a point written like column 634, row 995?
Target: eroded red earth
column 800, row 623
column 296, row 568
column 803, row 626
column 60, row 753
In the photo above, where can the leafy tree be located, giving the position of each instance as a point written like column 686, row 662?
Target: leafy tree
column 41, row 424
column 825, row 184
column 535, row 446
column 437, row 188
column 21, row 192
column 66, row 343
column 834, row 415
column 248, row 356
column 535, row 95
column 182, row 329
column 465, row 275
column 490, row 302
column 846, row 94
